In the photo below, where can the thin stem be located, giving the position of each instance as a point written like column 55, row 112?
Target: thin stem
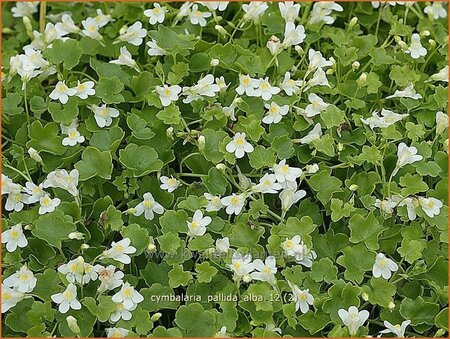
column 42, row 12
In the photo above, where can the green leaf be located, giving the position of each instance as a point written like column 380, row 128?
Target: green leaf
column 53, row 228
column 45, row 138
column 67, row 52
column 111, row 218
column 107, row 140
column 170, row 115
column 419, row 311
column 411, row 250
column 212, row 141
column 169, row 242
column 205, row 272
column 94, row 163
column 365, row 230
column 103, row 309
column 356, row 260
column 332, row 116
column 109, row 90
column 412, row 184
column 262, row 157
column 380, row 292
column 195, row 321
column 138, row 235
column 139, row 127
column 64, row 114
column 179, row 277
column 215, row 182
column 141, row 160
column 11, row 104
column 323, row 270
column 340, row 211
column 157, row 297
column 325, row 186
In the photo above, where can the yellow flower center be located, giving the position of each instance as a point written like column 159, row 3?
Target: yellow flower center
column 172, row 182
column 383, row 263
column 6, row 296
column 120, row 248
column 81, row 87
column 46, row 201
column 14, row 234
column 237, row 265
column 398, row 327
column 148, row 204
column 267, row 269
column 246, row 81
column 215, row 200
column 104, row 112
column 127, row 292
column 284, row 169
column 167, row 92
column 92, row 28
column 289, row 244
column 23, row 277
column 234, row 200
column 156, row 10
column 302, row 297
column 239, row 141
column 195, row 224
column 61, row 88
column 73, row 134
column 68, row 295
column 264, row 86
column 430, row 204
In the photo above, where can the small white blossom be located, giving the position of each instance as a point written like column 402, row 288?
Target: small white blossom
column 35, row 192
column 205, row 87
column 34, row 154
column 247, row 85
column 73, row 137
column 290, row 197
column 73, row 270
column 431, row 206
column 313, row 135
column 289, row 10
column 168, row 94
column 353, row 318
column 67, row 299
column 22, row 281
column 102, row 19
column 290, row 86
column 103, row 115
column 416, row 50
column 411, row 204
column 116, row 332
column 47, row 204
column 303, row 255
column 311, row 169
column 214, row 202
column 441, row 122
column 265, row 90
column 125, row 59
column 435, row 10
column 303, row 299
column 254, row 10
column 386, row 119
column 223, row 245
column 407, row 92
column 198, row 17
column 284, row 172
column 15, row 199
column 109, row 277
column 316, row 60
column 215, row 5
column 154, row 49
column 61, row 179
column 128, row 296
column 406, row 155
column 91, row 27
column 90, row 273
column 241, row 265
column 268, row 184
column 62, row 92
column 383, row 267
column 169, row 184
column 85, row 89
column 398, row 330
column 10, row 298
column 7, row 185
column 239, row 145
column 14, row 238
column 316, row 105
column 122, row 312
column 197, row 227
column 442, row 75
column 66, row 26
column 274, row 45
column 265, row 270
column 289, row 245
column 321, row 12
column 119, row 251
column 148, row 206
column 134, row 34
column 387, row 205
column 274, row 113
column 24, row 8
column 156, row 14
column 234, row 203
column 293, row 35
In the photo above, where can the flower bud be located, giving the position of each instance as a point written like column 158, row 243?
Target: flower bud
column 84, row 247
column 73, row 324
column 214, row 62
column 355, row 65
column 424, row 33
column 123, row 30
column 445, row 146
column 362, row 80
column 397, row 39
column 221, row 167
column 365, row 296
column 353, row 187
column 156, row 317
column 353, row 22
column 432, row 43
column 221, row 30
column 329, row 71
column 403, row 45
column 28, row 27
column 311, row 169
column 169, row 132
column 76, row 236
column 247, row 278
column 131, row 210
column 440, row 333
column 274, row 45
column 391, row 305
column 201, row 143
column 34, row 154
column 151, row 248
column 28, row 227
column 333, row 61
column 299, row 50
column 340, row 147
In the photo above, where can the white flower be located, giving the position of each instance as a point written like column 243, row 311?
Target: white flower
column 398, row 330
column 62, row 92
column 301, row 297
column 222, row 84
column 67, row 299
column 383, row 267
column 66, row 25
column 241, row 265
column 62, row 179
column 416, row 49
column 247, row 85
column 34, row 154
column 316, row 60
column 24, row 8
column 411, row 204
column 234, row 203
column 407, row 92
column 311, row 169
column 290, row 86
column 102, row 19
column 223, row 245
column 353, row 319
column 90, row 273
column 73, row 137
column 215, row 5
column 85, row 89
column 156, row 14
column 48, row 204
column 168, row 94
column 266, row 270
column 376, row 4
column 73, row 270
column 205, row 87
column 35, row 192
column 406, row 155
column 254, row 10
column 289, row 245
column 103, row 115
column 134, row 34
column 125, row 59
column 442, row 75
column 116, row 332
column 239, row 146
column 109, row 277
column 316, row 105
column 289, row 197
column 154, row 49
column 14, row 238
column 435, row 10
column 303, row 255
column 314, row 134
column 22, row 281
column 386, row 119
column 10, row 298
column 15, row 199
column 268, row 184
column 91, row 27
column 321, row 12
column 289, row 11
column 386, row 205
column 274, row 113
column 214, row 203
column 431, row 206
column 441, row 122
column 198, row 17
column 7, row 185
column 284, row 172
column 265, row 90
column 148, row 206
column 222, row 333
column 122, row 312
column 169, row 184
column 119, row 251
column 293, row 35
column 128, row 296
column 274, row 45
column 319, row 79
column 197, row 227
